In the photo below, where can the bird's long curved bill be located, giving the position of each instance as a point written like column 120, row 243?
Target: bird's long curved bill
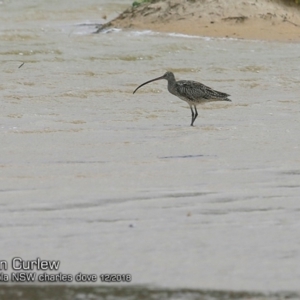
column 158, row 78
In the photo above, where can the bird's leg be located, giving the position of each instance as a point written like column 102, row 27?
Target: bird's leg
column 193, row 115
column 196, row 113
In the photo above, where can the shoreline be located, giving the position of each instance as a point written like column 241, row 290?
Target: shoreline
column 270, row 21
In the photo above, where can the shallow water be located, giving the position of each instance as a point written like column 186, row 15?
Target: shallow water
column 110, row 182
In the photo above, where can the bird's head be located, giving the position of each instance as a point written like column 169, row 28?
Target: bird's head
column 168, row 76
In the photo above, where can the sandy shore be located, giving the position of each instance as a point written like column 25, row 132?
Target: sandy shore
column 265, row 20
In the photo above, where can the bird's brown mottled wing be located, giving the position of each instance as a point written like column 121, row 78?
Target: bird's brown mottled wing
column 196, row 91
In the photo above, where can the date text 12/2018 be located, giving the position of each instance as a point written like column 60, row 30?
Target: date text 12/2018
column 115, row 277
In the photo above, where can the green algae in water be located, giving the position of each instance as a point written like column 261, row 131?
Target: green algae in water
column 138, row 3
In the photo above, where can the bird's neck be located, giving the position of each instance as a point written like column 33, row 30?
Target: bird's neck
column 171, row 86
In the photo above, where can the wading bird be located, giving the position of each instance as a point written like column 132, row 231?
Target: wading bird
column 193, row 92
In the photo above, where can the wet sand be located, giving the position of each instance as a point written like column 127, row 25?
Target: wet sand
column 18, row 292
column 263, row 20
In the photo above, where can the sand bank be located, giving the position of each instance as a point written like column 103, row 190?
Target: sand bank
column 265, row 20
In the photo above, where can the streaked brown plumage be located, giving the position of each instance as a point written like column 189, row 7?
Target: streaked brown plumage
column 193, row 92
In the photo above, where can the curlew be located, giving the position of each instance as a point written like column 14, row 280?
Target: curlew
column 192, row 92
